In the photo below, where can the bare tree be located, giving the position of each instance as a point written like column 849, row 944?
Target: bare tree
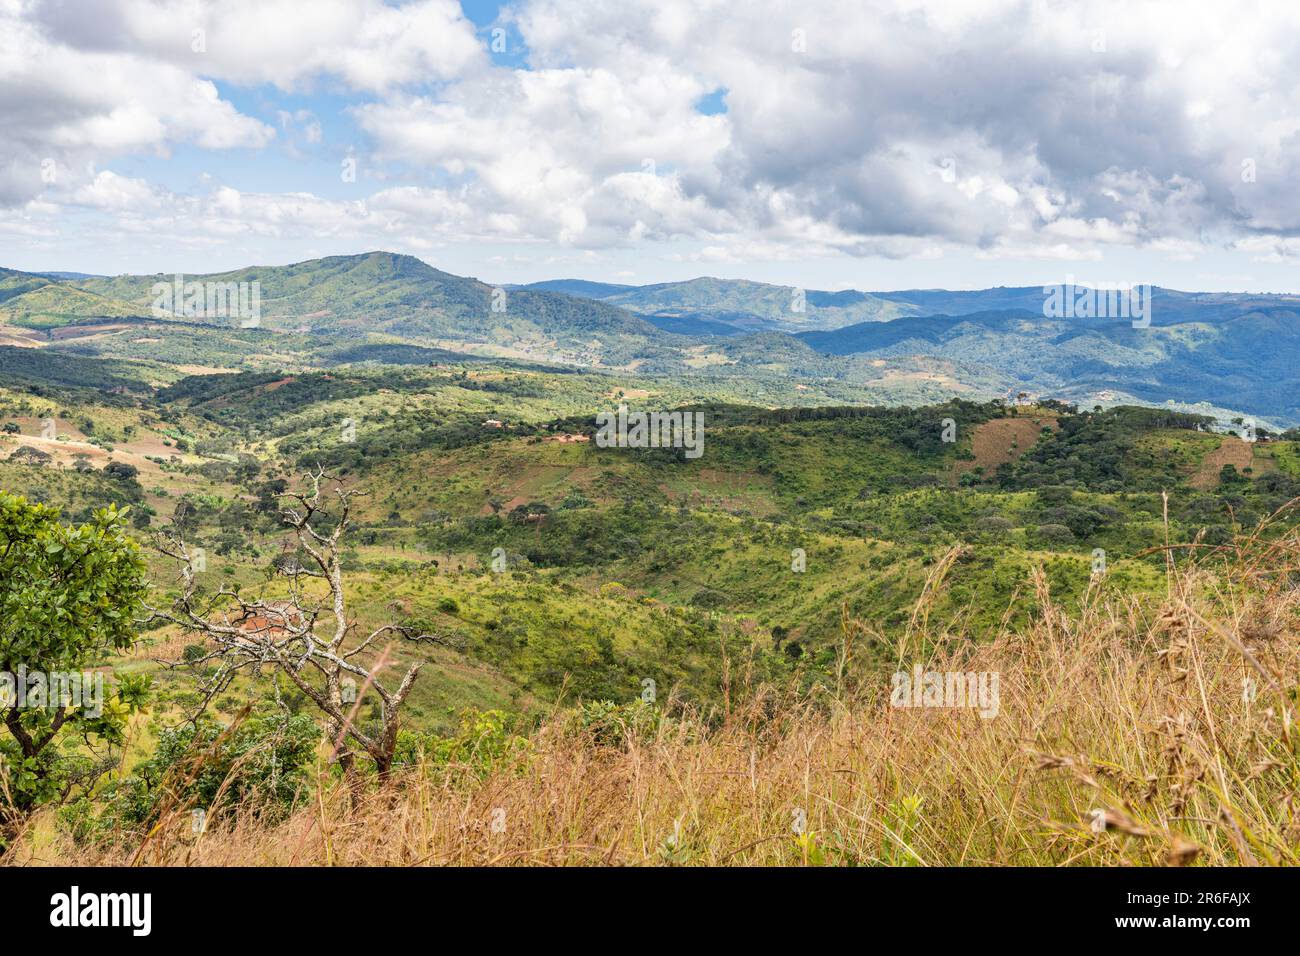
column 308, row 635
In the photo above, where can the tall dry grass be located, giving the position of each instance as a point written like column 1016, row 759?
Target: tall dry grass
column 1167, row 720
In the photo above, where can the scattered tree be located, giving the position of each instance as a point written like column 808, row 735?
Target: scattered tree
column 308, row 636
column 68, row 595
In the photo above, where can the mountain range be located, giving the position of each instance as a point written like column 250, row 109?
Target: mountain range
column 1222, row 352
column 1231, row 351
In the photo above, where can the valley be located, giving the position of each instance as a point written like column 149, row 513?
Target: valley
column 607, row 547
column 840, row 512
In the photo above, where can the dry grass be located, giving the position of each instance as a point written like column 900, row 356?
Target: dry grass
column 1139, row 712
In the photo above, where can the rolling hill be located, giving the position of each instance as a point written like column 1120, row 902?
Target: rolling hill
column 740, row 303
column 402, row 296
column 45, row 302
column 1214, row 350
column 1245, row 361
column 1222, row 353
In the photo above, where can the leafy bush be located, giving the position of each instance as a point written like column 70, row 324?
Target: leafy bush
column 259, row 766
column 1055, row 533
column 486, row 739
column 614, row 725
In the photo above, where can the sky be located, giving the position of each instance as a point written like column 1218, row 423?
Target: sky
column 871, row 144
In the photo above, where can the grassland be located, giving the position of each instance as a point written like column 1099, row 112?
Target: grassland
column 1132, row 731
column 765, row 589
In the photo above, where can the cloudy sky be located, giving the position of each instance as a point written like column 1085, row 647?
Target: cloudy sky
column 879, row 145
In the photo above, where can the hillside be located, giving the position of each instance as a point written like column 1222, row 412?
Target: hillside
column 738, row 303
column 872, row 496
column 794, row 557
column 744, row 302
column 46, row 302
column 404, row 297
column 1226, row 353
column 777, row 779
column 1221, row 354
column 1244, row 362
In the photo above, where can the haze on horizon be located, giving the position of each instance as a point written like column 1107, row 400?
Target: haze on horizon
column 878, row 146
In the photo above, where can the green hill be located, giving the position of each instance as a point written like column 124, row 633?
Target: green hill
column 38, row 302
column 401, row 296
column 1222, row 354
column 1245, row 362
column 740, row 303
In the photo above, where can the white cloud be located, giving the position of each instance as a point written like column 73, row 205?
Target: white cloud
column 111, row 191
column 1130, row 122
column 62, row 108
column 366, row 44
column 82, row 82
column 1008, row 129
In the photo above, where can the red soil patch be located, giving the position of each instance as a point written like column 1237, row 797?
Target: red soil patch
column 1003, row 440
column 149, row 445
column 81, row 331
column 32, row 426
column 65, row 452
column 1231, row 451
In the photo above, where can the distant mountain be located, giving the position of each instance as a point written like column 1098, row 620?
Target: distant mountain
column 1239, row 352
column 1169, row 306
column 40, row 302
column 69, row 275
column 402, row 296
column 746, row 305
column 755, row 305
column 579, row 287
column 693, row 325
column 1238, row 357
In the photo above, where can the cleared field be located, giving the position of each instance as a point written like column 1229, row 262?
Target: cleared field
column 1002, row 440
column 1231, row 451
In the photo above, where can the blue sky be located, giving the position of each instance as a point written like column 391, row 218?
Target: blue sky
column 876, row 145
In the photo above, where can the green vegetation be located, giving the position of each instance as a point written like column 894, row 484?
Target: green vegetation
column 547, row 572
column 67, row 597
column 1220, row 354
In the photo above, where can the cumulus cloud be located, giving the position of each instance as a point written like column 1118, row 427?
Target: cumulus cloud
column 883, row 128
column 87, row 81
column 1094, row 123
column 111, row 191
column 366, row 44
column 1009, row 128
column 63, row 107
